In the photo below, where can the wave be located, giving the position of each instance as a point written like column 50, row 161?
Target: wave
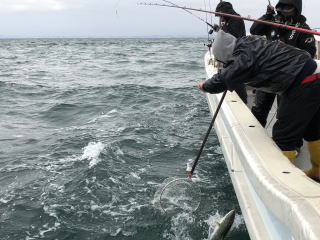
column 92, row 152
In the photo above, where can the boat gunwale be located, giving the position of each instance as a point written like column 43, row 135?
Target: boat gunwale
column 277, row 194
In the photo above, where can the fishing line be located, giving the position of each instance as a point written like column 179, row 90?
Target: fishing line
column 239, row 17
column 173, row 4
column 210, row 8
column 205, row 7
column 116, row 7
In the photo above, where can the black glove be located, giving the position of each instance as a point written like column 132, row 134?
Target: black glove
column 216, row 28
column 270, row 10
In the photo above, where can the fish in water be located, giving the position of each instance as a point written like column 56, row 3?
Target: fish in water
column 223, row 226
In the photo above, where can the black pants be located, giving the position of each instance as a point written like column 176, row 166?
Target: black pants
column 262, row 105
column 298, row 116
column 242, row 93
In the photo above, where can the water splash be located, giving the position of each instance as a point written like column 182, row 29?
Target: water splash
column 92, row 152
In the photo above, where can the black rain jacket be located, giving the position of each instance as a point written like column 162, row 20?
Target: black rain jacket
column 300, row 40
column 234, row 26
column 270, row 66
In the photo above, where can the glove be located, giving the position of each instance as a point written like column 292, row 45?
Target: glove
column 270, row 10
column 216, row 28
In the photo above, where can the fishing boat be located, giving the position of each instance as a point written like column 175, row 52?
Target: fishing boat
column 277, row 199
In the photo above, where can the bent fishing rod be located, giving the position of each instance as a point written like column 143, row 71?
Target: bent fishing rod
column 173, row 4
column 236, row 16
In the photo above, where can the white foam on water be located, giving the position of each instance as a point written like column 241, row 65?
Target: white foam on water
column 4, row 200
column 51, row 210
column 114, row 180
column 94, row 206
column 180, row 226
column 212, row 220
column 103, row 116
column 121, row 129
column 196, row 178
column 92, row 152
column 135, row 175
column 43, row 232
column 18, row 136
column 29, row 238
column 218, row 150
column 62, row 163
column 152, row 183
column 119, row 152
column 113, row 111
column 115, row 232
column 238, row 222
column 189, row 165
column 129, row 233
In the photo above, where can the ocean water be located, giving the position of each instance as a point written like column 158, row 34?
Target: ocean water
column 89, row 129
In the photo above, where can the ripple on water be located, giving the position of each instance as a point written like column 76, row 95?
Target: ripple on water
column 92, row 127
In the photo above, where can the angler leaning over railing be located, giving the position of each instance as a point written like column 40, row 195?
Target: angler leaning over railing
column 277, row 68
column 287, row 12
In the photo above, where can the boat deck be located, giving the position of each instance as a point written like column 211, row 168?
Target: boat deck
column 302, row 161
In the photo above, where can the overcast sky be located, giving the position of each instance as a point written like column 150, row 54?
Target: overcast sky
column 119, row 18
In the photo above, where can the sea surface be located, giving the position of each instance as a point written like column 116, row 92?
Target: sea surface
column 89, row 129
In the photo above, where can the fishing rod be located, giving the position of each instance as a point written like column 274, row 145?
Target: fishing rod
column 236, row 16
column 173, row 4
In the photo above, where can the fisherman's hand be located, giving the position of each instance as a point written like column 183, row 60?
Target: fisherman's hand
column 216, row 27
column 270, row 10
column 200, row 86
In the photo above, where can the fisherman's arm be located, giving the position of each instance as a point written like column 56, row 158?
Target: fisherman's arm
column 260, row 28
column 213, row 85
column 238, row 71
column 235, row 27
column 307, row 42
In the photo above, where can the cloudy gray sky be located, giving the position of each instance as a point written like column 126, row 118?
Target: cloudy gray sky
column 119, row 18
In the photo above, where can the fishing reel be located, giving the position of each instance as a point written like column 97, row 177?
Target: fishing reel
column 214, row 28
column 209, row 44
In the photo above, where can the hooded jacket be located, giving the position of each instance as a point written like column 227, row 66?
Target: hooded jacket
column 296, row 3
column 270, row 66
column 297, row 39
column 234, row 26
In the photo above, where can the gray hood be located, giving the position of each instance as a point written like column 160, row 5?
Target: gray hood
column 223, row 46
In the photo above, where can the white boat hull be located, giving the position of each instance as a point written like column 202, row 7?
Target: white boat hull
column 278, row 201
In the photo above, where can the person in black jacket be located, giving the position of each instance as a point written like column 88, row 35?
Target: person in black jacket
column 235, row 27
column 278, row 68
column 289, row 13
